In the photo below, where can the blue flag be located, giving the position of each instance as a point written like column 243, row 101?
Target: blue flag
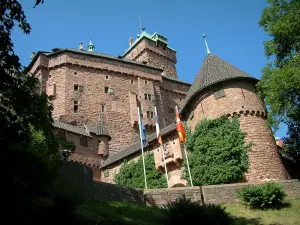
column 142, row 129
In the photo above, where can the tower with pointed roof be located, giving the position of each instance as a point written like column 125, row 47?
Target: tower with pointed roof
column 222, row 89
column 153, row 50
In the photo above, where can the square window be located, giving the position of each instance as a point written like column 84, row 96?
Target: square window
column 106, row 89
column 49, row 75
column 106, row 173
column 76, row 87
column 62, row 134
column 171, row 110
column 75, row 73
column 111, row 91
column 83, row 141
column 150, row 115
column 219, row 91
column 75, row 106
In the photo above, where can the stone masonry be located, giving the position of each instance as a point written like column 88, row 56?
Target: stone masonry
column 88, row 88
column 72, row 77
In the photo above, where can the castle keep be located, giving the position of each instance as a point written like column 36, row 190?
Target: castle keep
column 95, row 98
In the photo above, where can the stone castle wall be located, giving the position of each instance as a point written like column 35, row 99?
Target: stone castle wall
column 118, row 110
column 152, row 58
column 147, row 51
column 240, row 99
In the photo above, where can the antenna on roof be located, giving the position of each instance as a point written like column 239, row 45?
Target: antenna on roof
column 207, row 49
column 142, row 28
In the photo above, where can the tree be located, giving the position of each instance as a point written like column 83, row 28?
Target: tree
column 131, row 174
column 218, row 153
column 27, row 142
column 280, row 83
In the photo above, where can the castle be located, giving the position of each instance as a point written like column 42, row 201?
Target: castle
column 95, row 98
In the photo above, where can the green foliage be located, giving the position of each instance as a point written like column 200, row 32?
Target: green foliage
column 27, row 142
column 218, row 153
column 132, row 174
column 182, row 210
column 280, row 83
column 267, row 195
column 280, row 19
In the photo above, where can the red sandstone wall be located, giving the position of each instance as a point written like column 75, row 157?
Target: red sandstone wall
column 241, row 99
column 147, row 51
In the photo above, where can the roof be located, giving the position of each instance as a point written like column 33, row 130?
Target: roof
column 144, row 34
column 71, row 128
column 212, row 71
column 85, row 52
column 136, row 146
column 97, row 129
column 175, row 79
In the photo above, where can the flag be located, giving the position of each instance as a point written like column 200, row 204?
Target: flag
column 179, row 127
column 159, row 139
column 142, row 128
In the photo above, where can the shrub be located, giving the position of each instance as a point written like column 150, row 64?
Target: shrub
column 267, row 195
column 218, row 153
column 183, row 210
column 131, row 174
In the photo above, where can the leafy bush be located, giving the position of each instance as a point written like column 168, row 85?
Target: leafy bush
column 267, row 195
column 183, row 210
column 132, row 174
column 218, row 153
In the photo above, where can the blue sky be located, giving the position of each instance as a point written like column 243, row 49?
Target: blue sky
column 231, row 28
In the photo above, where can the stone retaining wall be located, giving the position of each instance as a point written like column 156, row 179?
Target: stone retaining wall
column 216, row 194
column 162, row 196
column 226, row 193
column 113, row 192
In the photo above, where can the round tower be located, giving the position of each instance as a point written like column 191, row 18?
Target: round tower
column 220, row 88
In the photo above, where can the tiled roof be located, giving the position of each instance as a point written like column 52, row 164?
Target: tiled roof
column 98, row 129
column 174, row 79
column 71, row 128
column 60, row 50
column 212, row 71
column 105, row 56
column 136, row 146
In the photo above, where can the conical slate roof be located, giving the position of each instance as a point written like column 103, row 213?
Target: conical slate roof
column 212, row 71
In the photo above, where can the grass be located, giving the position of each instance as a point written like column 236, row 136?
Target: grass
column 107, row 213
column 289, row 215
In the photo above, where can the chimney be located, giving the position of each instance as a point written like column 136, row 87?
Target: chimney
column 32, row 55
column 81, row 46
column 130, row 42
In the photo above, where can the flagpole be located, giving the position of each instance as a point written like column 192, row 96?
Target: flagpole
column 161, row 147
column 182, row 139
column 142, row 146
column 188, row 165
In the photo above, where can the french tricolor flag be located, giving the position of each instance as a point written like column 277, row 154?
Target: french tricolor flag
column 158, row 135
